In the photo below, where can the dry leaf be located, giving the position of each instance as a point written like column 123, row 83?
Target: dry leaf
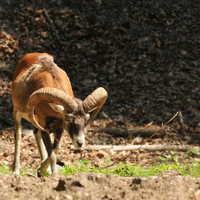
column 153, row 34
column 158, row 43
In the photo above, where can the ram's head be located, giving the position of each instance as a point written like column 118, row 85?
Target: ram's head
column 77, row 114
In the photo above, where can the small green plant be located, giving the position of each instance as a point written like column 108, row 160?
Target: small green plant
column 170, row 157
column 40, row 188
column 166, row 157
column 192, row 152
column 4, row 169
column 176, row 160
column 69, row 170
column 106, row 161
column 133, row 170
column 28, row 170
column 46, row 173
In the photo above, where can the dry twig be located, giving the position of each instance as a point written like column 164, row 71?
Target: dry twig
column 47, row 16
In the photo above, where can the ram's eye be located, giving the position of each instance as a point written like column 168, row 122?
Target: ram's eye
column 68, row 118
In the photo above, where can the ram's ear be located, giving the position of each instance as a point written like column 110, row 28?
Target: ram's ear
column 57, row 108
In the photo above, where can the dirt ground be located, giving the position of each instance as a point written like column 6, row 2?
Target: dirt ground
column 97, row 186
column 168, row 185
column 144, row 53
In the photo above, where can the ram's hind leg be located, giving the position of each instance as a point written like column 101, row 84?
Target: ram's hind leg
column 17, row 135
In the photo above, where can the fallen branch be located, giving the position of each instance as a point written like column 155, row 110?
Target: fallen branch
column 142, row 144
column 149, row 148
column 134, row 131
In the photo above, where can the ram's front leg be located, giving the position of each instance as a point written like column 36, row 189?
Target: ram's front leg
column 42, row 150
column 57, row 137
column 40, row 144
column 17, row 134
column 45, row 164
column 51, row 159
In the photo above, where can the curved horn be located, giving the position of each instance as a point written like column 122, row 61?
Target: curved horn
column 96, row 99
column 50, row 95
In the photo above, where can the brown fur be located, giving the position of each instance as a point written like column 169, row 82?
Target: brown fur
column 37, row 70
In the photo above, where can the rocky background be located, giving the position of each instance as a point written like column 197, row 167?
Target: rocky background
column 145, row 53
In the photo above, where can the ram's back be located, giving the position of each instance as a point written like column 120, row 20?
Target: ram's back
column 35, row 71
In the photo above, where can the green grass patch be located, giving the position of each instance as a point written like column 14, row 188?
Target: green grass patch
column 4, row 169
column 124, row 169
column 134, row 170
column 188, row 165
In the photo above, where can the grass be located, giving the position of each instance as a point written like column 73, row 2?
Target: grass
column 167, row 163
column 135, row 170
column 4, row 169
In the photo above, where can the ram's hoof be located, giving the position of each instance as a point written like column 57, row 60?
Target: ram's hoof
column 16, row 173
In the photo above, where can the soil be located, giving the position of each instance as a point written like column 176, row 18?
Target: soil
column 96, row 186
column 144, row 53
